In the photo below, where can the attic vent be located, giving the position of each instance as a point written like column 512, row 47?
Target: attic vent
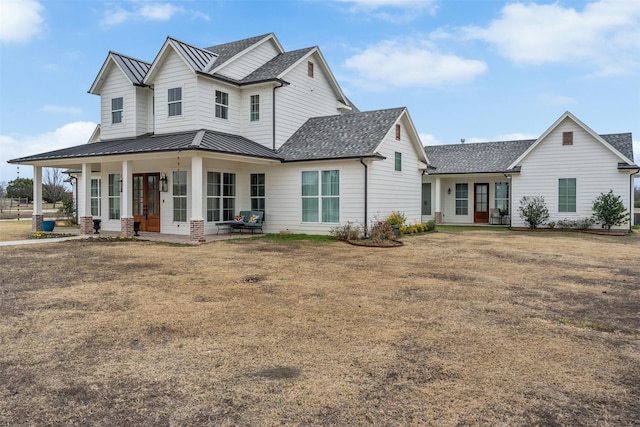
column 398, row 132
column 567, row 138
column 310, row 69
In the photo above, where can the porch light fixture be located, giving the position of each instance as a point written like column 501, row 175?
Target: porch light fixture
column 449, row 190
column 164, row 184
column 120, row 184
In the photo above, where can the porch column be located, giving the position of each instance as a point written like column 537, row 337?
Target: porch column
column 126, row 200
column 84, row 210
column 196, row 224
column 438, row 206
column 37, row 216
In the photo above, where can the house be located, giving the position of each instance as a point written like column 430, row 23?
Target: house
column 187, row 141
column 569, row 165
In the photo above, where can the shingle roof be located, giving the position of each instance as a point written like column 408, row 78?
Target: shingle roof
column 195, row 140
column 276, row 66
column 494, row 157
column 475, row 158
column 340, row 136
column 227, row 51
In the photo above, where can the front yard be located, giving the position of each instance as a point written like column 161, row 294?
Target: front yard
column 474, row 327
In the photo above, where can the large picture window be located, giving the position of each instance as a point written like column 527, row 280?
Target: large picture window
column 222, row 105
column 114, row 196
column 567, row 195
column 96, row 197
column 180, row 196
column 174, row 96
column 321, row 196
column 221, row 196
column 258, row 193
column 462, row 199
column 117, row 109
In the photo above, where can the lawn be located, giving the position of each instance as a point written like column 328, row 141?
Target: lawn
column 479, row 327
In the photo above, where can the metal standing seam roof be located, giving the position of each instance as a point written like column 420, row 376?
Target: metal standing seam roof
column 211, row 141
column 198, row 58
column 340, row 136
column 495, row 157
column 135, row 69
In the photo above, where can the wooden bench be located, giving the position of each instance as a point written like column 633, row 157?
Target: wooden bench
column 247, row 220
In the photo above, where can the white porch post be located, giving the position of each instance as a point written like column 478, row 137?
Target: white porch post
column 438, row 205
column 37, row 216
column 84, row 210
column 126, row 199
column 196, row 224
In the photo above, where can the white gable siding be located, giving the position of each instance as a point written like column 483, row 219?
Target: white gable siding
column 250, row 61
column 305, row 97
column 395, row 191
column 117, row 85
column 175, row 73
column 207, row 119
column 588, row 161
column 143, row 100
column 258, row 131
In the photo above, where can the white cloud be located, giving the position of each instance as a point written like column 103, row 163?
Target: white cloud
column 57, row 109
column 636, row 152
column 409, row 63
column 158, row 12
column 604, row 35
column 501, row 137
column 428, row 139
column 391, row 10
column 20, row 20
column 15, row 146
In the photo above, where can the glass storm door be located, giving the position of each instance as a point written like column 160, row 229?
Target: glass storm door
column 481, row 203
column 146, row 201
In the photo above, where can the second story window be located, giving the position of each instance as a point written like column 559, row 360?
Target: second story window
column 222, row 105
column 255, row 108
column 117, row 108
column 174, row 97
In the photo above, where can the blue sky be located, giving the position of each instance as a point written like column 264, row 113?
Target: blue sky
column 475, row 69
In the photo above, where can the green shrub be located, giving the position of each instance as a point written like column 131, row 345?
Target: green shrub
column 396, row 218
column 609, row 210
column 430, row 225
column 533, row 210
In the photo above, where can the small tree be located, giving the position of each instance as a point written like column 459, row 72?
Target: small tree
column 20, row 188
column 53, row 187
column 609, row 210
column 533, row 210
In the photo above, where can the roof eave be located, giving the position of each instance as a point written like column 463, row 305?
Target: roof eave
column 375, row 156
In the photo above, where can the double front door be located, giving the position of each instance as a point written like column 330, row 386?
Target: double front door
column 146, row 201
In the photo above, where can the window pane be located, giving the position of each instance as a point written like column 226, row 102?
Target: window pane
column 426, row 198
column 330, row 209
column 310, row 209
column 567, row 195
column 398, row 162
column 309, row 183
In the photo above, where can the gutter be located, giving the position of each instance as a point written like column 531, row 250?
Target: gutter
column 366, row 195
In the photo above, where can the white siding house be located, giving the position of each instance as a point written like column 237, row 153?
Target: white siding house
column 190, row 140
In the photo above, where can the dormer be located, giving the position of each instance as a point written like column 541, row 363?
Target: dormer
column 125, row 101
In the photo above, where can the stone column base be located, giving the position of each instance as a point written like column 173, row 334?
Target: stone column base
column 86, row 225
column 196, row 229
column 126, row 227
column 36, row 222
column 438, row 217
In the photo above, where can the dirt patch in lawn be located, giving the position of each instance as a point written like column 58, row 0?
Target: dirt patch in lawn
column 465, row 328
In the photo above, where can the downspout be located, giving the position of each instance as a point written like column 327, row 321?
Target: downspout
column 631, row 192
column 366, row 196
column 273, row 112
column 510, row 181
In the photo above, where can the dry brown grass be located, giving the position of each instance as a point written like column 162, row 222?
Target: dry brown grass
column 472, row 328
